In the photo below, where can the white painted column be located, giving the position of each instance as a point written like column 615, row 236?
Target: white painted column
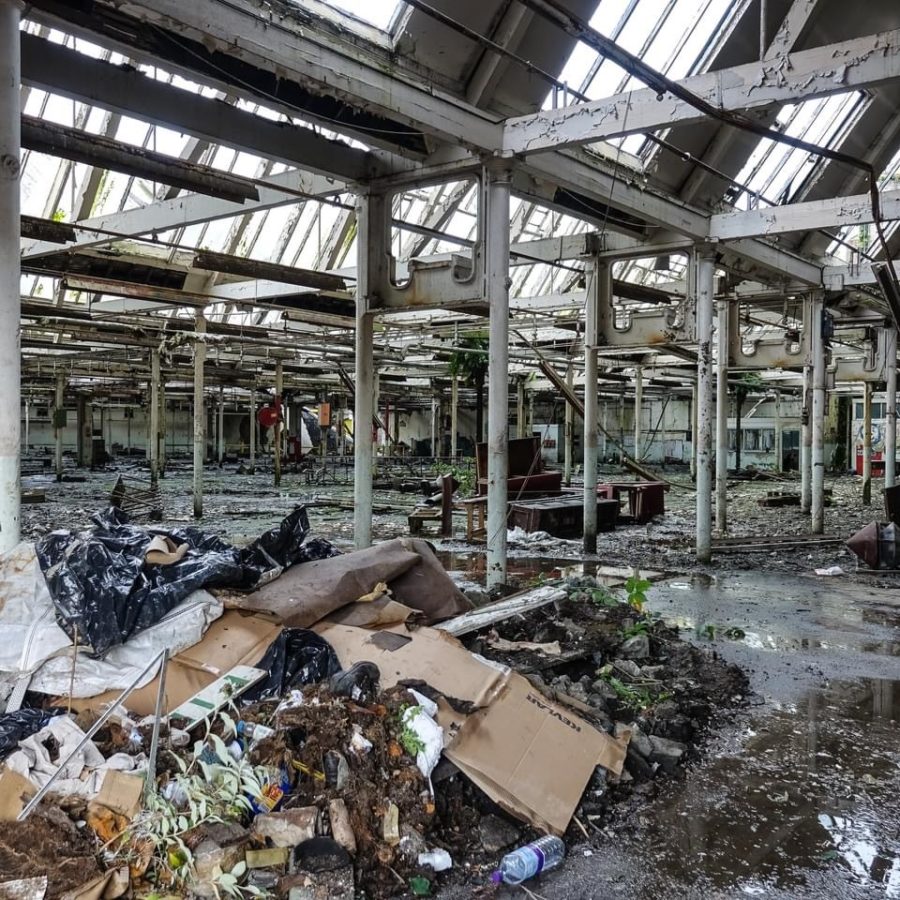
column 599, row 294
column 722, row 355
column 371, row 228
column 496, row 226
column 454, row 414
column 638, row 409
column 521, row 430
column 890, row 419
column 10, row 291
column 694, row 431
column 199, row 416
column 26, row 438
column 704, row 289
column 817, row 458
column 220, row 425
column 806, row 440
column 569, row 435
column 154, row 416
column 279, row 392
column 867, row 444
column 435, row 425
column 253, row 429
column 163, row 426
column 58, row 430
column 779, row 434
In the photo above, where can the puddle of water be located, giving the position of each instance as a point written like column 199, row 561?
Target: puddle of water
column 809, row 798
column 766, row 606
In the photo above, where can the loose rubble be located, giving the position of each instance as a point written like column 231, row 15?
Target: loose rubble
column 325, row 774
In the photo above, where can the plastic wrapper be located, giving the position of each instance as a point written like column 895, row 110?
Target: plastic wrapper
column 16, row 726
column 295, row 658
column 102, row 588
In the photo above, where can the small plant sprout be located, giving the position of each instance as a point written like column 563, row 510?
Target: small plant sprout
column 636, row 591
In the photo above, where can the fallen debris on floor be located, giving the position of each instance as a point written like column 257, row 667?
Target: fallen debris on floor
column 370, row 754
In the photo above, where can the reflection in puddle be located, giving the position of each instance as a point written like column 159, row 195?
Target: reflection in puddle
column 813, row 787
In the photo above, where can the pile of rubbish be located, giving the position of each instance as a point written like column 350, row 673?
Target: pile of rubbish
column 185, row 717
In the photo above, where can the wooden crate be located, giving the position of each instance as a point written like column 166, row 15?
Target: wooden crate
column 562, row 516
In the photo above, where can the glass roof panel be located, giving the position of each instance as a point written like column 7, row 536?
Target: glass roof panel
column 379, row 13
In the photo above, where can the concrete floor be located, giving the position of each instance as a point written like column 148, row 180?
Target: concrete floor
column 796, row 798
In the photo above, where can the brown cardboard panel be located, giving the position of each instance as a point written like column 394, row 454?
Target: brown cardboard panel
column 232, row 640
column 121, row 792
column 15, row 791
column 533, row 756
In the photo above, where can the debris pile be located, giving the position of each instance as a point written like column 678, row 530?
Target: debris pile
column 313, row 728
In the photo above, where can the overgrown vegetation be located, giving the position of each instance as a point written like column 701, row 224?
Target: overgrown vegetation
column 469, row 362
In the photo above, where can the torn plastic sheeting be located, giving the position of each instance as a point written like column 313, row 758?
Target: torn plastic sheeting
column 420, row 720
column 178, row 630
column 18, row 725
column 102, row 588
column 295, row 658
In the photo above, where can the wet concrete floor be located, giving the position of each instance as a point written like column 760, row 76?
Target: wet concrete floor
column 797, row 798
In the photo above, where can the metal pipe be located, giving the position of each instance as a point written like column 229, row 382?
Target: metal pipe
column 599, row 292
column 817, row 457
column 199, row 417
column 369, row 228
column 253, row 426
column 890, row 418
column 867, row 444
column 58, row 429
column 763, row 28
column 638, row 409
column 496, row 230
column 806, row 440
column 10, row 289
column 722, row 338
column 435, row 425
column 569, row 429
column 154, row 416
column 454, row 414
column 704, row 289
column 279, row 391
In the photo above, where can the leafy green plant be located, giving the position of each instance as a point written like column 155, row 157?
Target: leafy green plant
column 635, row 629
column 602, row 597
column 636, row 591
column 203, row 793
column 708, row 631
column 409, row 740
column 470, row 363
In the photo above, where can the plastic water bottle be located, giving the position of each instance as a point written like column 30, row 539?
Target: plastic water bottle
column 539, row 856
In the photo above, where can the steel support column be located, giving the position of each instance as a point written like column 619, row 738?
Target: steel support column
column 369, row 229
column 253, row 426
column 220, row 426
column 199, row 417
column 867, row 444
column 454, row 414
column 10, row 291
column 779, row 434
column 817, row 456
column 703, row 275
column 694, row 431
column 599, row 293
column 569, row 429
column 496, row 229
column 57, row 422
column 890, row 418
column 806, row 440
column 521, row 429
column 154, row 417
column 638, row 409
column 163, row 427
column 278, row 430
column 722, row 416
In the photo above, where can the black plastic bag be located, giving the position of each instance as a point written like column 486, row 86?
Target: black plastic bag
column 102, row 588
column 295, row 658
column 18, row 725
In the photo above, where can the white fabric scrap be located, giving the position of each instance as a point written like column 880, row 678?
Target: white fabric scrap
column 82, row 775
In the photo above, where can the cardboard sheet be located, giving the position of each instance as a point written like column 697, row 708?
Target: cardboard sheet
column 235, row 639
column 532, row 756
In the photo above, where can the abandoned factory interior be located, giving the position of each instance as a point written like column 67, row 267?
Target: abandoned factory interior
column 449, row 449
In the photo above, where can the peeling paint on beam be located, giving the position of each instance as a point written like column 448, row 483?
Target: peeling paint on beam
column 253, row 268
column 790, row 78
column 96, row 150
